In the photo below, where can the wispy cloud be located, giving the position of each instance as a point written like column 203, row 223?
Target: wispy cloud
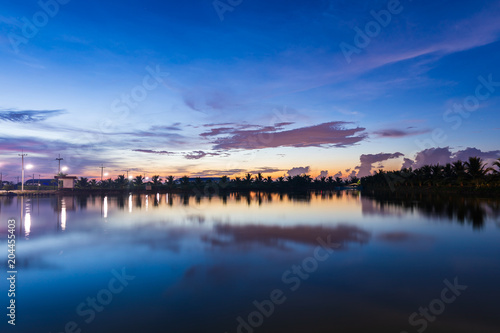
column 397, row 133
column 323, row 135
column 28, row 116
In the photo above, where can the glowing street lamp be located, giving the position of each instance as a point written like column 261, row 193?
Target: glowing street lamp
column 64, row 168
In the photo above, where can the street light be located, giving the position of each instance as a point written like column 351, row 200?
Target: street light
column 65, row 168
column 22, row 169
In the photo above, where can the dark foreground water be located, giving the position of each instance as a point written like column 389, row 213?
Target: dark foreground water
column 331, row 262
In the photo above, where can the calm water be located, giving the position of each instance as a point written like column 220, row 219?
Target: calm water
column 334, row 262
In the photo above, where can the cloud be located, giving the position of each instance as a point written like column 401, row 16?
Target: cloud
column 158, row 152
column 433, row 156
column 265, row 170
column 322, row 135
column 28, row 116
column 323, row 173
column 442, row 156
column 214, row 173
column 464, row 155
column 338, row 174
column 298, row 171
column 173, row 127
column 396, row 133
column 367, row 161
column 407, row 163
column 199, row 154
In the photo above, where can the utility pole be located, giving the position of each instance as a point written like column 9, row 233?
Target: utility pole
column 59, row 159
column 102, row 170
column 22, row 169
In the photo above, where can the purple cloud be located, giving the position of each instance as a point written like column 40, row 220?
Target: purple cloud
column 298, row 171
column 326, row 134
column 396, row 133
column 158, row 152
column 367, row 161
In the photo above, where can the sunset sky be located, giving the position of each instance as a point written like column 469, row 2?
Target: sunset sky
column 206, row 88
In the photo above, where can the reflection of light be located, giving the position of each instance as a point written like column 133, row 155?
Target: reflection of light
column 158, row 197
column 63, row 214
column 105, row 207
column 130, row 203
column 147, row 202
column 27, row 219
column 166, row 199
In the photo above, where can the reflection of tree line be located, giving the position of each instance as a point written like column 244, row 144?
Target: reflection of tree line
column 453, row 207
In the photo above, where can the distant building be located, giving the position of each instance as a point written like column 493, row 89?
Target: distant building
column 42, row 182
column 66, row 182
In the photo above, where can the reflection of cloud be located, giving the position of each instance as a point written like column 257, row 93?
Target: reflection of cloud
column 275, row 236
column 397, row 237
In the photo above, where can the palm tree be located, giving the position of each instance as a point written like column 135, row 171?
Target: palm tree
column 82, row 182
column 170, row 181
column 156, row 180
column 497, row 164
column 121, row 181
column 476, row 169
column 248, row 178
column 259, row 178
column 138, row 180
column 93, row 183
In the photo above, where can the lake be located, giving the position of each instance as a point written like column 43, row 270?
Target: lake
column 315, row 262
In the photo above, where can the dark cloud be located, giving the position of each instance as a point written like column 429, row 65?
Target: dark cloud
column 322, row 135
column 338, row 174
column 407, row 163
column 323, row 173
column 433, row 156
column 474, row 152
column 158, row 152
column 173, row 127
column 367, row 161
column 199, row 154
column 265, row 170
column 215, row 173
column 28, row 116
column 298, row 171
column 396, row 133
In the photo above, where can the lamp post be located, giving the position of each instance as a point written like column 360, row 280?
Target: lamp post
column 22, row 169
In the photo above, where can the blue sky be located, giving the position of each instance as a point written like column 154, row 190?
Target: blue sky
column 168, row 87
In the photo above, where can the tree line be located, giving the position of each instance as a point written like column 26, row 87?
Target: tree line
column 473, row 173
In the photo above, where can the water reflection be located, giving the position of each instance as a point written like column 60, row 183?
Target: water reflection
column 209, row 258
column 463, row 210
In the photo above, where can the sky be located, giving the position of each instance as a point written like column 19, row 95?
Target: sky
column 212, row 88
